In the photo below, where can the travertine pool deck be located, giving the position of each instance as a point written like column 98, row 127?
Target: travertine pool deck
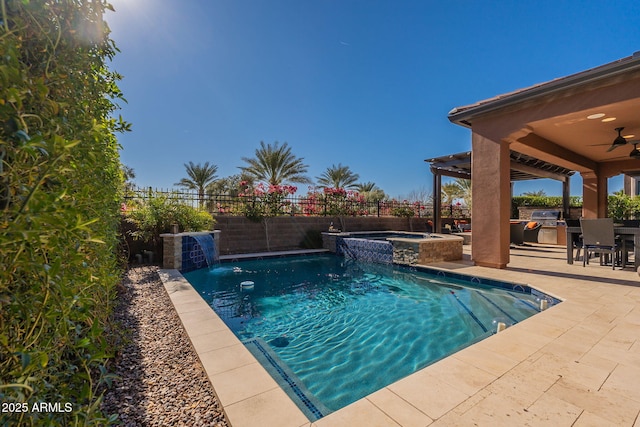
column 575, row 364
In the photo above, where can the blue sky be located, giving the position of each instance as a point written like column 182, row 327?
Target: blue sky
column 364, row 83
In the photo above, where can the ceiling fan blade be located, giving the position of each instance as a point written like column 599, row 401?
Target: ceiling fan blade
column 613, row 147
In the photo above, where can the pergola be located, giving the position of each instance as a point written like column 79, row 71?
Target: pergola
column 569, row 122
column 522, row 168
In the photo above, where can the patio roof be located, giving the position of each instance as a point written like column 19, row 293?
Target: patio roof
column 555, row 118
column 571, row 122
column 523, row 167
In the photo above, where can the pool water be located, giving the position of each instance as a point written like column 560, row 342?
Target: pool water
column 339, row 329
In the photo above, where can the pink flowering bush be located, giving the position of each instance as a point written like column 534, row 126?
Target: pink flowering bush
column 334, row 201
column 264, row 201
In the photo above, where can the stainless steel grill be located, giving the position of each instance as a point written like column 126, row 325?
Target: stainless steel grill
column 546, row 217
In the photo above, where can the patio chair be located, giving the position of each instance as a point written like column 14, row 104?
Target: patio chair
column 577, row 238
column 516, row 233
column 598, row 237
column 521, row 232
column 531, row 231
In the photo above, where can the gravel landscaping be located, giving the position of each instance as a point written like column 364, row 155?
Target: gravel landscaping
column 161, row 381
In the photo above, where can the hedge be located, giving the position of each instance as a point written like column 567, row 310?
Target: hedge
column 60, row 185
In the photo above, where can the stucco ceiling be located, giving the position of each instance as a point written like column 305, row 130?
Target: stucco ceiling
column 591, row 138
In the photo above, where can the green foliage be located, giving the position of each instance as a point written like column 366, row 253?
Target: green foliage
column 622, row 206
column 545, row 201
column 157, row 214
column 200, row 176
column 404, row 211
column 275, row 165
column 537, row 193
column 539, row 201
column 60, row 183
column 338, row 177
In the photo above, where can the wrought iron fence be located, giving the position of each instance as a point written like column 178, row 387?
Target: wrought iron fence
column 311, row 205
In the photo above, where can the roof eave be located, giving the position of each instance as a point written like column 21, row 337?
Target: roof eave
column 464, row 116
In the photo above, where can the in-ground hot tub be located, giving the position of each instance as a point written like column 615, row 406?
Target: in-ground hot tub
column 398, row 247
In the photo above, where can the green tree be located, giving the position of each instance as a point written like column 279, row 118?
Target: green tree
column 539, row 193
column 229, row 185
column 465, row 190
column 128, row 174
column 276, row 165
column 338, row 177
column 200, row 176
column 370, row 191
column 451, row 191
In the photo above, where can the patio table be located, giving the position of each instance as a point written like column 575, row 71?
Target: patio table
column 620, row 231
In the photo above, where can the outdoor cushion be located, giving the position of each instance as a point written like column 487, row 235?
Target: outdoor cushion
column 531, row 224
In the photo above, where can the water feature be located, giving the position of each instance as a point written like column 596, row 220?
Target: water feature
column 208, row 247
column 379, row 251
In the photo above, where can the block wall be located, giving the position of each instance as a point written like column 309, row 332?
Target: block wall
column 240, row 235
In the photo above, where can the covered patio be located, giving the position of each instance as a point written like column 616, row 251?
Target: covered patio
column 570, row 122
column 522, row 168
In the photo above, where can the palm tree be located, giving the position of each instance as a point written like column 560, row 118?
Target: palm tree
column 128, row 174
column 200, row 176
column 539, row 193
column 451, row 191
column 338, row 177
column 228, row 186
column 276, row 165
column 370, row 191
column 465, row 190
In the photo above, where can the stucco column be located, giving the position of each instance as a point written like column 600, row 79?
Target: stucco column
column 594, row 195
column 437, row 201
column 490, row 209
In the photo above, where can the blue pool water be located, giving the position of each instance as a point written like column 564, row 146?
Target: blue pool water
column 332, row 330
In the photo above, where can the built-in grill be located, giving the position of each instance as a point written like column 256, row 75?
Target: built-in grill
column 546, row 217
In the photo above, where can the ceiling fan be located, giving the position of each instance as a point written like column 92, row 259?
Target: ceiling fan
column 634, row 154
column 619, row 141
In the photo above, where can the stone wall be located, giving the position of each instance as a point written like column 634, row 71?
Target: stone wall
column 446, row 248
column 240, row 235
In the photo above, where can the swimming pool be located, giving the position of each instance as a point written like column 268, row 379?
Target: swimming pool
column 332, row 330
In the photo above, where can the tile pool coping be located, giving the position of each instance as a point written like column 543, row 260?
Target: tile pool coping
column 249, row 394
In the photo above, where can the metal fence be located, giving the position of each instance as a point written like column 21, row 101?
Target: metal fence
column 310, row 205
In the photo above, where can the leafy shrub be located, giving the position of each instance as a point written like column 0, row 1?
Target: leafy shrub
column 264, row 201
column 544, row 201
column 622, row 206
column 60, row 181
column 404, row 211
column 157, row 214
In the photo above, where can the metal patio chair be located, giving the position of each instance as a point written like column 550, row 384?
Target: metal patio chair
column 598, row 237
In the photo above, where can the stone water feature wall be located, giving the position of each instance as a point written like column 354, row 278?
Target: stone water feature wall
column 182, row 252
